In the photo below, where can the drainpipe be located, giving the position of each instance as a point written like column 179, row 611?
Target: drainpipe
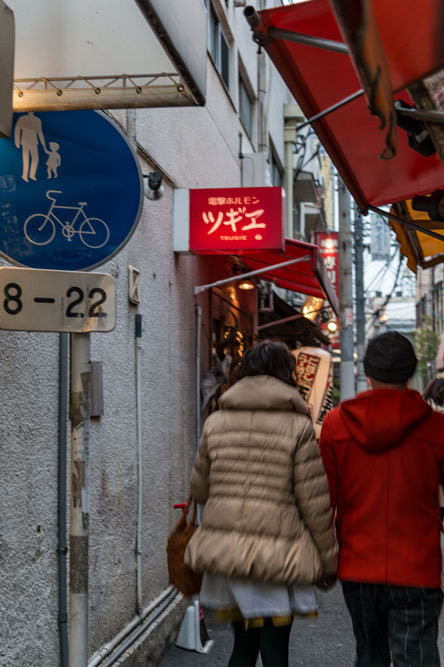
column 132, row 137
column 262, row 90
column 131, row 127
column 197, row 374
column 293, row 116
column 138, row 333
column 62, row 547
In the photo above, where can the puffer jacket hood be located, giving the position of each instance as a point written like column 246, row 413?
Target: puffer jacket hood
column 263, row 392
column 380, row 419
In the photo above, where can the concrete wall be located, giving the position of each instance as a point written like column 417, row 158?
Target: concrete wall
column 195, row 147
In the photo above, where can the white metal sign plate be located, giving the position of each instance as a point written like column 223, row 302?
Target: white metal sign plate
column 65, row 301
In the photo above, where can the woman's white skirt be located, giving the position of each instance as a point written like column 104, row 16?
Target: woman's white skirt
column 255, row 599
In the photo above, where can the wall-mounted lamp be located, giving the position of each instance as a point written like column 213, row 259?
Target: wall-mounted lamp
column 153, row 188
column 332, row 326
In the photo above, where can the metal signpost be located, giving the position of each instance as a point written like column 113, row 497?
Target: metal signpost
column 71, row 195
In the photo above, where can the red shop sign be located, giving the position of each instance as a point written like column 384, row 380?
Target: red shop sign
column 328, row 247
column 236, row 220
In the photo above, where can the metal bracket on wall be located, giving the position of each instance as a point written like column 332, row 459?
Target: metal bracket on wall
column 100, row 92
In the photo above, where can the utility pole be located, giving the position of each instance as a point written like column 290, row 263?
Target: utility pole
column 347, row 375
column 361, row 384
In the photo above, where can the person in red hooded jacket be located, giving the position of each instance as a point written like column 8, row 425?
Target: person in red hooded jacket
column 383, row 452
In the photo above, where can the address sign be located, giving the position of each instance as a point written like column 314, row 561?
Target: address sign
column 64, row 301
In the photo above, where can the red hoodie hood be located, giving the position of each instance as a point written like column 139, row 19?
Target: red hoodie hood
column 379, row 420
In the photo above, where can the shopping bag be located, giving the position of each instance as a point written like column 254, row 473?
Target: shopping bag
column 180, row 575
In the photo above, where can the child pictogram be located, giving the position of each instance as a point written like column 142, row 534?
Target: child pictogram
column 54, row 160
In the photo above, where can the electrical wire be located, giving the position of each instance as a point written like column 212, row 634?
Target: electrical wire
column 376, row 314
column 383, row 268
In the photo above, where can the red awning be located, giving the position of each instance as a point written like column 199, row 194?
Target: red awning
column 411, row 36
column 308, row 277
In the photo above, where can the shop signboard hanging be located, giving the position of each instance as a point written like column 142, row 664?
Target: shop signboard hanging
column 380, row 239
column 229, row 220
column 328, row 247
column 314, row 377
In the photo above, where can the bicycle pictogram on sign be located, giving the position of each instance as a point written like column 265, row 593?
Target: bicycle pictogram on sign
column 40, row 228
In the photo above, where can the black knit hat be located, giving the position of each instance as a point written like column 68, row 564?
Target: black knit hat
column 390, row 358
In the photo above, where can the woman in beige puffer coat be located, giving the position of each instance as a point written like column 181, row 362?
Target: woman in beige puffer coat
column 267, row 531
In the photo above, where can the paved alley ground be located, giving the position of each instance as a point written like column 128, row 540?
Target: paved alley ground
column 327, row 640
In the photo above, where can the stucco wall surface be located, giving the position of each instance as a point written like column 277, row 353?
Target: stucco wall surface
column 195, row 147
column 28, row 505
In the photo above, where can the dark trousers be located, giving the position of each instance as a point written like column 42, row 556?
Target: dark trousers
column 272, row 643
column 394, row 623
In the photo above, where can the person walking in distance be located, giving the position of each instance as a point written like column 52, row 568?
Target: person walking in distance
column 267, row 531
column 434, row 395
column 384, row 455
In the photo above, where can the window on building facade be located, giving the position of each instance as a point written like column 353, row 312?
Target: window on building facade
column 218, row 46
column 438, row 312
column 421, row 310
column 276, row 175
column 245, row 107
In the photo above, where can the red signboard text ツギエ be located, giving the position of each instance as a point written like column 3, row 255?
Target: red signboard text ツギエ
column 236, row 220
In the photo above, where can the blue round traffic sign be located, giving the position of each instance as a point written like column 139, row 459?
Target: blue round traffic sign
column 71, row 190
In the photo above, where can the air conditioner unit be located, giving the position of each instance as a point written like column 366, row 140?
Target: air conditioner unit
column 255, row 170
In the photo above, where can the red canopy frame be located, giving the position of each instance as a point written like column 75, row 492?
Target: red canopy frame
column 319, row 78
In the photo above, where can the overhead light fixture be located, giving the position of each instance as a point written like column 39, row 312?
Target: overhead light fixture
column 312, row 307
column 242, row 284
column 432, row 204
column 332, row 326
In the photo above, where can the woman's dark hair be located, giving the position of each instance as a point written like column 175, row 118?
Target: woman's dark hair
column 269, row 358
column 434, row 391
